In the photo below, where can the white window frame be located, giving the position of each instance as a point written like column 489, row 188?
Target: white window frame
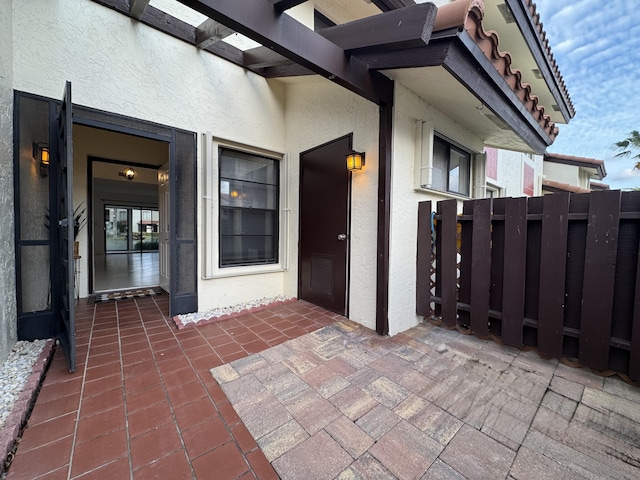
column 423, row 161
column 211, row 210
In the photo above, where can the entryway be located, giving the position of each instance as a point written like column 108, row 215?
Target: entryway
column 325, row 200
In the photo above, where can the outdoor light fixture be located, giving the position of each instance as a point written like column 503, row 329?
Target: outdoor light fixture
column 355, row 160
column 41, row 154
column 128, row 173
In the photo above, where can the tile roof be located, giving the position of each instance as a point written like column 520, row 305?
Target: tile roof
column 599, row 186
column 553, row 186
column 535, row 17
column 467, row 15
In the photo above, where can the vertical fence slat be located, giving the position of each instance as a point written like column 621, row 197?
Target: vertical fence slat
column 423, row 261
column 634, row 360
column 515, row 256
column 447, row 261
column 553, row 260
column 599, row 277
column 481, row 266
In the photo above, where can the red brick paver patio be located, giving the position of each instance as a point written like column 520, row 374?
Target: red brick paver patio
column 142, row 402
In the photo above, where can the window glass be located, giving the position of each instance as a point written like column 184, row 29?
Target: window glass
column 248, row 195
column 451, row 168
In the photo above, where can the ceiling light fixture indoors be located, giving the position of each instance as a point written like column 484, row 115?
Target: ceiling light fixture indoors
column 128, row 173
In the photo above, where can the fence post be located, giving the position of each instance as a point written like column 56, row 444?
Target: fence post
column 447, row 264
column 423, row 261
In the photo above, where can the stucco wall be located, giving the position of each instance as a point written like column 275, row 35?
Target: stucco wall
column 559, row 172
column 318, row 111
column 119, row 65
column 511, row 173
column 8, row 332
column 409, row 108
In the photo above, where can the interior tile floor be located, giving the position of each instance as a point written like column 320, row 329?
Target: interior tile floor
column 143, row 403
column 121, row 271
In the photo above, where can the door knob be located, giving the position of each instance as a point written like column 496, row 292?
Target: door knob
column 342, row 237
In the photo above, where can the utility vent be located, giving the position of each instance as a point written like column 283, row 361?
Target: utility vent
column 497, row 121
column 536, row 72
column 555, row 107
column 506, row 13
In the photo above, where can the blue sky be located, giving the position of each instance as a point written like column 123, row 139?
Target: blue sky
column 596, row 44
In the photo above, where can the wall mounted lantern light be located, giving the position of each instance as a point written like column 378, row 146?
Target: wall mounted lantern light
column 355, row 160
column 128, row 173
column 41, row 155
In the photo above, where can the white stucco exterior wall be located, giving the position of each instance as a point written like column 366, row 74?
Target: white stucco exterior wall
column 8, row 312
column 317, row 112
column 511, row 173
column 559, row 172
column 122, row 66
column 409, row 109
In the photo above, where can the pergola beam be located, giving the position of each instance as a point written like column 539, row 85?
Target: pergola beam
column 263, row 57
column 259, row 21
column 137, row 8
column 210, row 31
column 404, row 28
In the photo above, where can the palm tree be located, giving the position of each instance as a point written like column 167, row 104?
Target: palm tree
column 628, row 145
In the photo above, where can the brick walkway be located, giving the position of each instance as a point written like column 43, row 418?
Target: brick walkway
column 142, row 402
column 345, row 403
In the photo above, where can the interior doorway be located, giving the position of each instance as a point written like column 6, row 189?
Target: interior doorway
column 123, row 208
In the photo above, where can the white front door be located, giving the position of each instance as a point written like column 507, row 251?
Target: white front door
column 163, row 228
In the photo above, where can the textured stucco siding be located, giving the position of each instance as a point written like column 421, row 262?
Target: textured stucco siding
column 559, row 172
column 511, row 173
column 409, row 109
column 8, row 332
column 118, row 65
column 319, row 111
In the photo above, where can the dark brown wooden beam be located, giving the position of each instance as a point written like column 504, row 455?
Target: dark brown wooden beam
column 259, row 21
column 262, row 57
column 404, row 28
column 388, row 5
column 210, row 31
column 137, row 8
column 282, row 5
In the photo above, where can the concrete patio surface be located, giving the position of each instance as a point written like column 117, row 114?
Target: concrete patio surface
column 343, row 402
column 297, row 392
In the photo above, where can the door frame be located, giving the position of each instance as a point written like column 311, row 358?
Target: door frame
column 347, row 300
column 90, row 160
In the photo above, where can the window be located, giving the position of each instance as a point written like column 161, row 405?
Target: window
column 248, row 197
column 451, row 167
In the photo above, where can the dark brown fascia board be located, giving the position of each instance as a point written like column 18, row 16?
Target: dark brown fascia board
column 282, row 5
column 403, row 28
column 388, row 5
column 598, row 168
column 259, row 21
column 137, row 8
column 175, row 27
column 532, row 38
column 463, row 58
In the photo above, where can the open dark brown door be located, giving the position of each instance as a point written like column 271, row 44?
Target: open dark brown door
column 65, row 271
column 324, row 225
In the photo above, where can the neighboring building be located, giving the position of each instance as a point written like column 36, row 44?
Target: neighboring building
column 244, row 116
column 565, row 173
column 511, row 174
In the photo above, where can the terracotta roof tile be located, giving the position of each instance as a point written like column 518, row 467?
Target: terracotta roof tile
column 599, row 186
column 535, row 16
column 553, row 186
column 467, row 15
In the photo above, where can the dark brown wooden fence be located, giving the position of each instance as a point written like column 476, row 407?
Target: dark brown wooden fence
column 559, row 273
